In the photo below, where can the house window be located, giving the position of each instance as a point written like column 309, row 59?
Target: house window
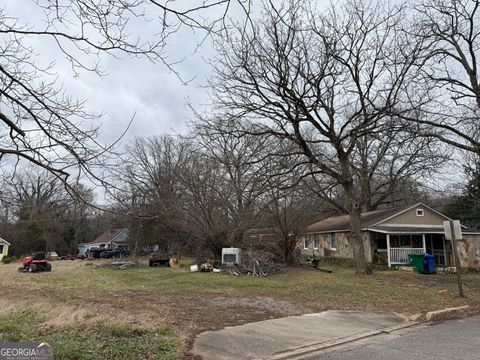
column 333, row 241
column 316, row 241
column 406, row 241
column 420, row 212
column 1, row 249
column 417, row 241
column 306, row 242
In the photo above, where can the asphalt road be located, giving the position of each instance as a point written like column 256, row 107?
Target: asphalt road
column 454, row 339
column 263, row 339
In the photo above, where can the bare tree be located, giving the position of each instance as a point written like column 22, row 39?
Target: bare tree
column 43, row 214
column 207, row 214
column 148, row 188
column 42, row 124
column 241, row 160
column 328, row 84
column 180, row 195
column 450, row 30
column 393, row 158
column 288, row 210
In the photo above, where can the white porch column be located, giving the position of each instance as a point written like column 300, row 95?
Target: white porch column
column 388, row 250
column 424, row 244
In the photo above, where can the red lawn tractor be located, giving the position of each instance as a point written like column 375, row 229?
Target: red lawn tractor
column 35, row 263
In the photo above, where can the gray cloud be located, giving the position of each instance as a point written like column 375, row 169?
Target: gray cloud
column 132, row 85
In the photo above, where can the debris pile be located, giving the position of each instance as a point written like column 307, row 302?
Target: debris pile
column 120, row 264
column 208, row 265
column 256, row 263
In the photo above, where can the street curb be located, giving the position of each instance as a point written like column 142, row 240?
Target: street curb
column 305, row 350
column 430, row 316
column 441, row 314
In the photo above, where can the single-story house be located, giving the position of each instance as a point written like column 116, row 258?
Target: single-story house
column 4, row 245
column 109, row 240
column 390, row 235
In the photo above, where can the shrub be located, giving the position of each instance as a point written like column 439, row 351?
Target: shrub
column 7, row 260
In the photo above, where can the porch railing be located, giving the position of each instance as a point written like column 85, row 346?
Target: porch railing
column 399, row 256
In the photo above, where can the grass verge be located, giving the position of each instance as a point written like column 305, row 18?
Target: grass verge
column 97, row 341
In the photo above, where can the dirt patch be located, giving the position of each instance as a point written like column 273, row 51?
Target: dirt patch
column 277, row 306
column 190, row 314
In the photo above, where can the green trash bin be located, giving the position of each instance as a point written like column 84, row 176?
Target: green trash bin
column 416, row 260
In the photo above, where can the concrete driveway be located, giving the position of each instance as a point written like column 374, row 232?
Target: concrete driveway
column 291, row 336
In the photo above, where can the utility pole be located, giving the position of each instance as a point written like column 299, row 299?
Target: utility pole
column 453, row 230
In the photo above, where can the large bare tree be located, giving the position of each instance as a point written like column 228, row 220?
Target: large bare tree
column 328, row 84
column 241, row 160
column 181, row 190
column 148, row 189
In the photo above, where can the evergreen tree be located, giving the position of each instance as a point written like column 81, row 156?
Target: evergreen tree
column 466, row 207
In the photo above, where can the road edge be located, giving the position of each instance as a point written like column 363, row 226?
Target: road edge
column 431, row 316
column 291, row 354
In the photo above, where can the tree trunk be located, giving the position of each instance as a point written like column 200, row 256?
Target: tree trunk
column 361, row 265
column 287, row 250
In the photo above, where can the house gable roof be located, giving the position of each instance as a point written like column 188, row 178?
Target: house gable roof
column 369, row 220
column 4, row 241
column 107, row 236
column 406, row 209
column 342, row 222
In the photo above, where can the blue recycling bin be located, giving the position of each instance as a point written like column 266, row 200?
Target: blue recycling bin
column 428, row 264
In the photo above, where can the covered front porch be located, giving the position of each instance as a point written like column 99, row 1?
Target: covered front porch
column 392, row 248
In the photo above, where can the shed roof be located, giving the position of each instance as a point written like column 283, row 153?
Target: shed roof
column 5, row 241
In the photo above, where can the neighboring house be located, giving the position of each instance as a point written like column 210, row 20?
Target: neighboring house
column 4, row 245
column 264, row 237
column 110, row 240
column 390, row 235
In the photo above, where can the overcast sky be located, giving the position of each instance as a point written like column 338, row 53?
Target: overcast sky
column 135, row 86
column 149, row 91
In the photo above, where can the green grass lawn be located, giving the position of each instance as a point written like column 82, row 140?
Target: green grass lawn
column 151, row 313
column 384, row 290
